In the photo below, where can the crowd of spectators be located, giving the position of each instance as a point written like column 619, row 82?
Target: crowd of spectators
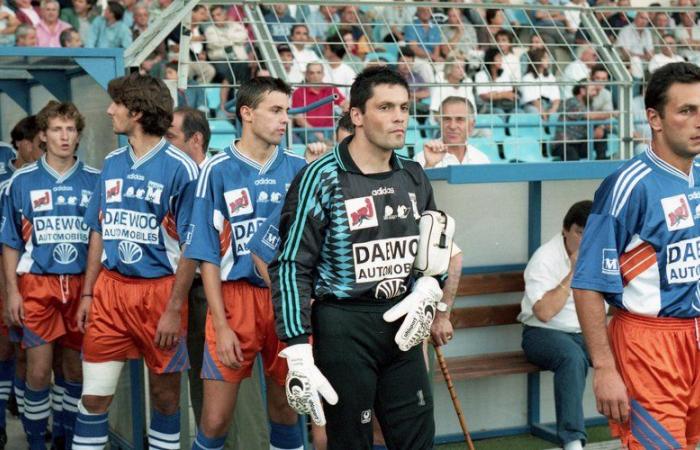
column 503, row 60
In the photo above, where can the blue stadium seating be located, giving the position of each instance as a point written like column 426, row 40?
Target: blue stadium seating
column 523, row 149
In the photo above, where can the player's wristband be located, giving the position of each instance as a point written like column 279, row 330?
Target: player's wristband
column 86, row 295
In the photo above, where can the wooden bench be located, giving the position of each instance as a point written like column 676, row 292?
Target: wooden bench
column 488, row 364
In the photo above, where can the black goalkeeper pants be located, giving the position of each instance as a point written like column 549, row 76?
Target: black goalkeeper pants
column 355, row 349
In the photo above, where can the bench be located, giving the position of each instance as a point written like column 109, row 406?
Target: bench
column 498, row 363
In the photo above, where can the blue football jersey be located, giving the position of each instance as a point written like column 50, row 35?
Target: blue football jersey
column 641, row 245
column 43, row 217
column 234, row 196
column 7, row 155
column 141, row 207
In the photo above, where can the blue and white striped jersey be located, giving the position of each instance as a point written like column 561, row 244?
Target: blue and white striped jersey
column 234, row 196
column 43, row 217
column 641, row 245
column 142, row 209
column 7, row 155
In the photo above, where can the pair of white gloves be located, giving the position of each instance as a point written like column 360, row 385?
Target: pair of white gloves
column 305, row 382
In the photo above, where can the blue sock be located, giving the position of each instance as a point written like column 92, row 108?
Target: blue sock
column 378, row 447
column 57, row 391
column 20, row 386
column 164, row 432
column 91, row 430
column 201, row 442
column 285, row 437
column 7, row 371
column 37, row 409
column 71, row 397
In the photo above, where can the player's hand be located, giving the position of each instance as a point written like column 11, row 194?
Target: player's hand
column 419, row 308
column 228, row 347
column 315, row 150
column 441, row 331
column 611, row 394
column 15, row 308
column 83, row 314
column 305, row 382
column 434, row 151
column 168, row 331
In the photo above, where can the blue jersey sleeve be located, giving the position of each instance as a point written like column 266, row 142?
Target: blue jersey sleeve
column 614, row 220
column 265, row 242
column 92, row 212
column 11, row 234
column 207, row 221
column 182, row 206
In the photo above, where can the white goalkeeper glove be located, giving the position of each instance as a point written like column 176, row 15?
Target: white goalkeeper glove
column 419, row 308
column 305, row 382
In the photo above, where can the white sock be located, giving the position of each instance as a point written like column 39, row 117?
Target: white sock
column 573, row 445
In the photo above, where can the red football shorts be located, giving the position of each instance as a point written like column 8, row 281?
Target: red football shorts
column 50, row 303
column 123, row 320
column 659, row 360
column 250, row 315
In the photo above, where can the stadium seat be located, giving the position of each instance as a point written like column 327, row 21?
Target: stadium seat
column 523, row 149
column 526, row 125
column 222, row 133
column 613, row 145
column 493, row 123
column 298, row 149
column 374, row 56
column 213, row 97
column 489, row 147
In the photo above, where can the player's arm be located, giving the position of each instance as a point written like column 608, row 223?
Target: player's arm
column 262, row 269
column 13, row 243
column 609, row 388
column 92, row 270
column 10, row 257
column 442, row 330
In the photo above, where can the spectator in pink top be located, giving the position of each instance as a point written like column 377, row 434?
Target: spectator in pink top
column 321, row 117
column 26, row 13
column 49, row 28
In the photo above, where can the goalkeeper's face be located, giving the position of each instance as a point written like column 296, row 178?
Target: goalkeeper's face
column 269, row 118
column 385, row 118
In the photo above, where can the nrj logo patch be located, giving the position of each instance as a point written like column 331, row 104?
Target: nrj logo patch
column 361, row 213
column 677, row 212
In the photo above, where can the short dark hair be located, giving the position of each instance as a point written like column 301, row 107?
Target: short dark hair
column 282, row 48
column 24, row 129
column 251, row 92
column 663, row 78
column 116, row 9
column 490, row 56
column 195, row 121
column 578, row 214
column 66, row 110
column 490, row 14
column 336, row 46
column 505, row 33
column 577, row 89
column 345, row 123
column 297, row 25
column 362, row 88
column 535, row 57
column 146, row 95
column 65, row 36
column 599, row 68
column 406, row 51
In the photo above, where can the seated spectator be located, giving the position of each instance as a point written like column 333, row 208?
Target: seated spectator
column 688, row 36
column 571, row 140
column 580, row 68
column 636, row 44
column 80, row 16
column 661, row 27
column 544, row 97
column 129, row 6
column 157, row 8
column 109, row 30
column 321, row 117
column 453, row 82
column 200, row 70
column 536, row 42
column 511, row 55
column 393, row 19
column 494, row 90
column 554, row 26
column 665, row 54
column 49, row 28
column 456, row 119
column 573, row 19
column 280, row 22
column 461, row 38
column 341, row 74
column 418, row 92
column 300, row 48
column 424, row 39
column 613, row 21
column 293, row 72
column 25, row 36
column 351, row 58
column 141, row 20
column 495, row 22
column 320, row 21
column 552, row 336
column 192, row 96
column 226, row 47
column 641, row 130
column 26, row 13
column 70, row 39
column 352, row 20
column 8, row 25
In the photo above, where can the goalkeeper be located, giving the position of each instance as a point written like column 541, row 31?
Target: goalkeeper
column 350, row 237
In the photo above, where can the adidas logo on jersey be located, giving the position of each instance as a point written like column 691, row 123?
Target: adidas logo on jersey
column 383, row 191
column 263, row 181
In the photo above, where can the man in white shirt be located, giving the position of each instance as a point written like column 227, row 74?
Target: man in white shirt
column 666, row 55
column 552, row 336
column 341, row 74
column 456, row 124
column 636, row 44
column 579, row 69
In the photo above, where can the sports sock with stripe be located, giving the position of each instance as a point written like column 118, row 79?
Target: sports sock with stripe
column 71, row 397
column 7, row 372
column 37, row 409
column 201, row 442
column 57, row 391
column 164, row 432
column 91, row 431
column 285, row 437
